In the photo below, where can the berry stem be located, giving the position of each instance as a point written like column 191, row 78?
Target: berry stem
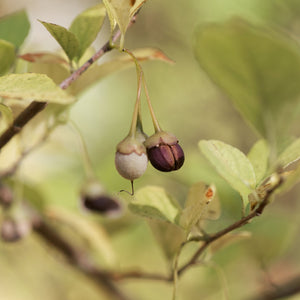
column 140, row 74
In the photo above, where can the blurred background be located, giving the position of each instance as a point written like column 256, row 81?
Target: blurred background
column 187, row 104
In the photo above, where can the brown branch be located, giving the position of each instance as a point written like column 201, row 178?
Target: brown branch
column 289, row 288
column 35, row 107
column 77, row 258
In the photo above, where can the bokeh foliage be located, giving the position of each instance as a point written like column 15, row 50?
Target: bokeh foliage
column 252, row 66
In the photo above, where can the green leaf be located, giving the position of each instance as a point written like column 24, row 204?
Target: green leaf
column 246, row 63
column 290, row 154
column 6, row 113
column 38, row 87
column 87, row 25
column 7, row 56
column 197, row 205
column 153, row 202
column 232, row 165
column 259, row 157
column 98, row 72
column 14, row 28
column 53, row 65
column 67, row 40
column 168, row 236
column 120, row 12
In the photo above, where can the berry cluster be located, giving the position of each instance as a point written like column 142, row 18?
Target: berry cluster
column 162, row 148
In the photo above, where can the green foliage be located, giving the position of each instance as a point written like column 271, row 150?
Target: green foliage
column 259, row 158
column 198, row 205
column 169, row 236
column 87, row 25
column 31, row 86
column 120, row 12
column 14, row 28
column 246, row 63
column 7, row 56
column 290, row 154
column 66, row 39
column 83, row 31
column 153, row 202
column 232, row 165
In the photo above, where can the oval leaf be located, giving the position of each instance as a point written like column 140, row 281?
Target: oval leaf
column 259, row 157
column 246, row 63
column 7, row 56
column 290, row 154
column 232, row 165
column 14, row 28
column 153, row 202
column 197, row 205
column 38, row 87
column 87, row 25
column 67, row 40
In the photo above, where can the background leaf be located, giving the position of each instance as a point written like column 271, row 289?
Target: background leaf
column 246, row 63
column 38, row 87
column 153, row 202
column 94, row 235
column 168, row 236
column 87, row 25
column 67, row 40
column 290, row 154
column 7, row 56
column 259, row 157
column 197, row 205
column 14, row 28
column 232, row 165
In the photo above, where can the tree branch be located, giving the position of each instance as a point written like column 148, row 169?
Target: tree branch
column 286, row 289
column 78, row 259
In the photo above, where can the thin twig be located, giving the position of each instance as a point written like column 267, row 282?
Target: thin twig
column 35, row 107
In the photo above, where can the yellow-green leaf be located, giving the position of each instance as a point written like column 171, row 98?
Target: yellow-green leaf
column 232, row 165
column 87, row 25
column 259, row 158
column 66, row 39
column 290, row 154
column 198, row 205
column 120, row 12
column 35, row 87
column 153, row 202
